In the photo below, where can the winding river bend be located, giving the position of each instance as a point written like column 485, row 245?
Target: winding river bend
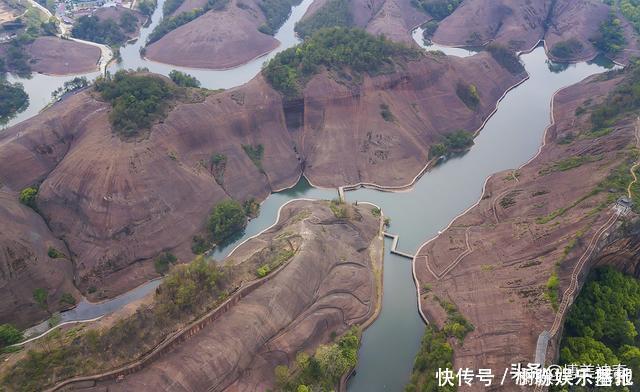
column 510, row 138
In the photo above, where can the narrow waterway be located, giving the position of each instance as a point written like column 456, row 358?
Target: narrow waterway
column 39, row 86
column 510, row 138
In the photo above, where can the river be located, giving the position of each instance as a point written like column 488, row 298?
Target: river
column 510, row 138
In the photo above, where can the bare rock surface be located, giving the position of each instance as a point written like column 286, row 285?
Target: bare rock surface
column 328, row 286
column 55, row 56
column 25, row 265
column 494, row 261
column 112, row 200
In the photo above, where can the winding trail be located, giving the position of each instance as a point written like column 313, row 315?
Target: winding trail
column 633, row 168
column 455, row 262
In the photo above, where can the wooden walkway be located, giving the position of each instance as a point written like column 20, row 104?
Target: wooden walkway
column 394, row 246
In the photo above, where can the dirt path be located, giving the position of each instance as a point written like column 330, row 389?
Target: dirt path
column 633, row 168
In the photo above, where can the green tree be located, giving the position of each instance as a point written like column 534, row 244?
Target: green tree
column 9, row 335
column 183, row 80
column 226, row 220
column 28, row 196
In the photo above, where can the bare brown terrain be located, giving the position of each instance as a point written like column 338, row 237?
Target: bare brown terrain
column 55, row 56
column 25, row 265
column 520, row 24
column 217, row 39
column 111, row 200
column 329, row 285
column 493, row 262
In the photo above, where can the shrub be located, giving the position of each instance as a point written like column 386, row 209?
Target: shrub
column 40, row 296
column 28, row 196
column 184, row 80
column 199, row 245
column 170, row 6
column 552, row 290
column 55, row 253
column 339, row 209
column 67, row 299
column 385, row 112
column 163, row 262
column 434, row 353
column 263, row 271
column 567, row 50
column 255, row 153
column 610, row 38
column 137, row 100
column 13, row 99
column 506, row 58
column 468, row 93
column 226, row 220
column 375, row 211
column 9, row 335
column 454, row 142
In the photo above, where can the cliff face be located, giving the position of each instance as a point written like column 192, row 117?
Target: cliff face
column 494, row 262
column 118, row 204
column 327, row 286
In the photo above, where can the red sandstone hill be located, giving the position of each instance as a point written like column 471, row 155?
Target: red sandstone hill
column 505, row 254
column 117, row 204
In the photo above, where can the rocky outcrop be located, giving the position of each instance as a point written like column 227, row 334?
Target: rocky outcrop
column 112, row 200
column 547, row 217
column 326, row 287
column 56, row 56
column 25, row 265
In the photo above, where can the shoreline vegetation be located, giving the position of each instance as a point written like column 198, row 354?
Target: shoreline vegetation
column 188, row 292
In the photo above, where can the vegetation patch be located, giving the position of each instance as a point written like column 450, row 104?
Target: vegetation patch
column 40, row 296
column 105, row 31
column 335, row 13
column 567, row 50
column 183, row 79
column 435, row 353
column 9, row 335
column 218, row 164
column 251, row 207
column 255, row 153
column 55, row 253
column 171, row 23
column 13, row 100
column 602, row 326
column 438, row 9
column 375, row 211
column 138, row 100
column 569, row 163
column 552, row 287
column 468, row 93
column 610, row 38
column 624, row 99
column 454, row 142
column 506, row 58
column 28, row 197
column 386, row 114
column 429, row 29
column 70, row 86
column 344, row 50
column 163, row 262
column 456, row 325
column 226, row 220
column 339, row 209
column 276, row 13
column 322, row 371
column 170, row 6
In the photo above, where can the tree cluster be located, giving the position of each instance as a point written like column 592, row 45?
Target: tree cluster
column 337, row 49
column 335, row 13
column 276, row 13
column 438, row 9
column 105, row 31
column 137, row 100
column 610, row 38
column 13, row 99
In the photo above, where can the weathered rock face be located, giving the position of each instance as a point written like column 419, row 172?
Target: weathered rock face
column 113, row 201
column 25, row 265
column 217, row 39
column 495, row 260
column 520, row 24
column 328, row 286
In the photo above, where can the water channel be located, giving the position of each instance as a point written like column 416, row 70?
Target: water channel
column 510, row 138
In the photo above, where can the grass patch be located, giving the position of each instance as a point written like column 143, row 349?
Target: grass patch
column 55, row 253
column 255, row 153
